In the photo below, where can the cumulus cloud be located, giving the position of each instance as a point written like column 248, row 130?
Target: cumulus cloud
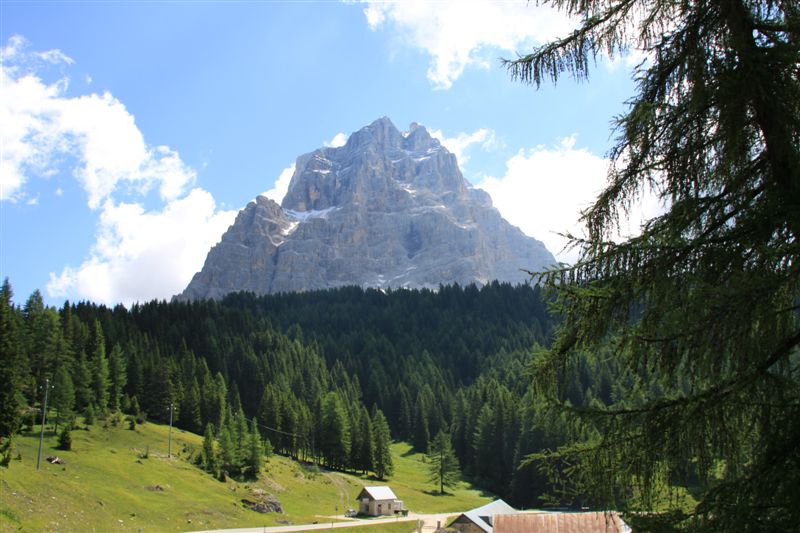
column 340, row 139
column 281, row 186
column 141, row 255
column 41, row 124
column 460, row 34
column 138, row 253
column 545, row 188
column 459, row 144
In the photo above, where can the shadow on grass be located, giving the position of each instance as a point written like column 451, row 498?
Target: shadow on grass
column 437, row 493
column 373, row 477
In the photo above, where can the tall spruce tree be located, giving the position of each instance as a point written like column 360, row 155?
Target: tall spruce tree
column 98, row 363
column 422, row 434
column 209, row 453
column 44, row 340
column 704, row 302
column 362, row 446
column 190, row 414
column 442, row 463
column 255, row 450
column 382, row 463
column 63, row 396
column 11, row 364
column 335, row 432
column 82, row 380
column 228, row 456
column 117, row 375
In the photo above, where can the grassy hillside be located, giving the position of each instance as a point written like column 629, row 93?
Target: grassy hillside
column 121, row 480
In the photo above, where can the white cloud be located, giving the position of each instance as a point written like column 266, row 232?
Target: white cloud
column 544, row 190
column 138, row 254
column 281, row 186
column 17, row 52
column 41, row 125
column 630, row 60
column 340, row 139
column 55, row 57
column 142, row 255
column 458, row 34
column 459, row 144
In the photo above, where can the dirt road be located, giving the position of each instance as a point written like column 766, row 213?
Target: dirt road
column 430, row 522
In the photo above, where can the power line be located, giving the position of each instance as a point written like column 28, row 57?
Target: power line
column 279, row 431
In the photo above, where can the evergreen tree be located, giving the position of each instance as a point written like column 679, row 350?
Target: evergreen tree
column 11, row 365
column 269, row 411
column 63, row 395
column 134, row 371
column 335, row 432
column 82, row 382
column 160, row 396
column 704, row 301
column 118, row 376
column 65, row 439
column 422, row 434
column 442, row 463
column 227, row 451
column 45, row 341
column 136, row 409
column 483, row 444
column 215, row 394
column 88, row 415
column 362, row 443
column 255, row 451
column 209, row 454
column 241, row 434
column 382, row 464
column 98, row 363
column 190, row 413
column 404, row 415
column 289, row 424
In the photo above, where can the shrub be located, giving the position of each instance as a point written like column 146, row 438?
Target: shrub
column 65, row 439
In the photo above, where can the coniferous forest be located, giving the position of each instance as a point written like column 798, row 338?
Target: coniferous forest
column 329, row 376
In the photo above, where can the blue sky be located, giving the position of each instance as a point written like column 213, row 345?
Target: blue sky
column 132, row 132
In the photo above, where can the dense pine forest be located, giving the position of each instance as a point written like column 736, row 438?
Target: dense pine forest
column 324, row 376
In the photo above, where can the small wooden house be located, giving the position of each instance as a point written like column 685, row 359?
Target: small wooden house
column 377, row 501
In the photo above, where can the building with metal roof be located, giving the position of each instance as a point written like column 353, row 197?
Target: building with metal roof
column 547, row 522
column 481, row 519
column 377, row 501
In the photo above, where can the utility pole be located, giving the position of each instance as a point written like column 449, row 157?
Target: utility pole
column 169, row 445
column 44, row 414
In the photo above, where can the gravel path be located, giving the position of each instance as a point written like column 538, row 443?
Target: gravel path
column 430, row 521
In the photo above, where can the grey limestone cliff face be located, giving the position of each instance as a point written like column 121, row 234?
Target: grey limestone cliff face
column 389, row 209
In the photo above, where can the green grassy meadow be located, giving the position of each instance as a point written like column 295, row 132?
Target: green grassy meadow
column 410, row 483
column 116, row 479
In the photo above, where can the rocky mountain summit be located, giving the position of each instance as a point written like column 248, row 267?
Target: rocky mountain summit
column 387, row 209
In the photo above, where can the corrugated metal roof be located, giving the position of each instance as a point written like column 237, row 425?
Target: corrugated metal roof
column 379, row 493
column 560, row 523
column 483, row 516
